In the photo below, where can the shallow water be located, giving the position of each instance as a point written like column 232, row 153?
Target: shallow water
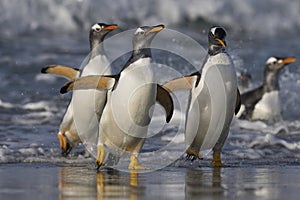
column 82, row 182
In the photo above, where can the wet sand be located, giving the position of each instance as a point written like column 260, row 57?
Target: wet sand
column 47, row 181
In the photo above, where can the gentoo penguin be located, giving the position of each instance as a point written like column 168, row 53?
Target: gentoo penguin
column 244, row 79
column 263, row 103
column 97, row 64
column 214, row 98
column 127, row 114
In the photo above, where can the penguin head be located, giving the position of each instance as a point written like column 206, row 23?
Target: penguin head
column 276, row 63
column 216, row 39
column 144, row 35
column 98, row 31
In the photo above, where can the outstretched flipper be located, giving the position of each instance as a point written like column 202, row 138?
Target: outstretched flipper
column 61, row 70
column 183, row 83
column 164, row 98
column 238, row 102
column 89, row 82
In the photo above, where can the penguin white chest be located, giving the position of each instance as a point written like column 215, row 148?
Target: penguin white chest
column 88, row 104
column 98, row 65
column 218, row 82
column 215, row 98
column 268, row 108
column 132, row 100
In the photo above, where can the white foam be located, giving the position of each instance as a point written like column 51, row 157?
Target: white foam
column 6, row 104
column 276, row 128
column 271, row 140
column 45, row 78
column 178, row 139
column 37, row 105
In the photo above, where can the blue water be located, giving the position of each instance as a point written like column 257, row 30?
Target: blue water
column 34, row 34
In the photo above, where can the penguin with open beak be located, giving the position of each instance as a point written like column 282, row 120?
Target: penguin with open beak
column 131, row 94
column 263, row 102
column 214, row 99
column 97, row 64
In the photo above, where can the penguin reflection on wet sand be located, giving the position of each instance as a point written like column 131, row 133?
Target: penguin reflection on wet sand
column 263, row 103
column 130, row 97
column 214, row 99
column 97, row 64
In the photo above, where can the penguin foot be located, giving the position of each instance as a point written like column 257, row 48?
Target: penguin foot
column 134, row 163
column 62, row 141
column 216, row 162
column 63, row 144
column 192, row 154
column 100, row 156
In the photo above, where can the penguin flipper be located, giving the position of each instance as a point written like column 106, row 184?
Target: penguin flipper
column 183, row 83
column 61, row 70
column 238, row 102
column 164, row 98
column 89, row 82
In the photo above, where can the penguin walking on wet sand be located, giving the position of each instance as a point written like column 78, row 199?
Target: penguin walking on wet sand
column 214, row 99
column 97, row 64
column 263, row 102
column 130, row 97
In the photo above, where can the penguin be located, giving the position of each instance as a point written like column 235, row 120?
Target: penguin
column 97, row 64
column 130, row 97
column 214, row 99
column 263, row 103
column 244, row 81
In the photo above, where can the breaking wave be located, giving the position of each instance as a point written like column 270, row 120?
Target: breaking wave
column 269, row 17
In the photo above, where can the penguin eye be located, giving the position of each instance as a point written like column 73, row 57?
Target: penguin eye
column 139, row 31
column 97, row 28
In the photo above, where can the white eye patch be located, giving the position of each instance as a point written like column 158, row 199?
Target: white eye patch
column 271, row 60
column 96, row 27
column 139, row 30
column 213, row 30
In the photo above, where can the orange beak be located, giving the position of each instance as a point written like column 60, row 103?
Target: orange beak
column 221, row 42
column 288, row 60
column 110, row 27
column 155, row 29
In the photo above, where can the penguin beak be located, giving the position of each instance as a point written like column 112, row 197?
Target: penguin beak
column 110, row 27
column 223, row 43
column 287, row 60
column 155, row 29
